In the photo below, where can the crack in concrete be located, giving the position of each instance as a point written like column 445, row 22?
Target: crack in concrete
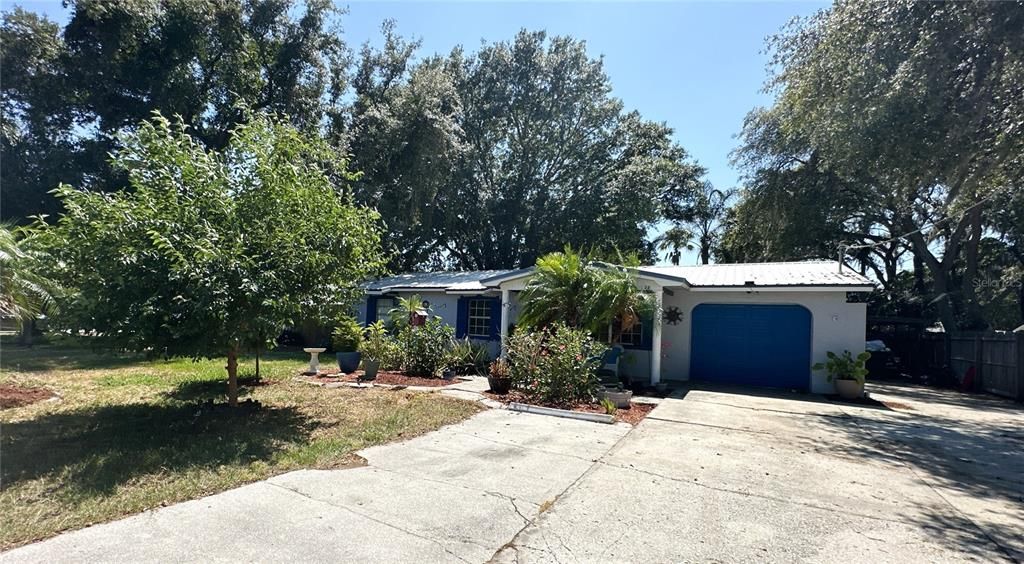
column 379, row 521
column 511, row 544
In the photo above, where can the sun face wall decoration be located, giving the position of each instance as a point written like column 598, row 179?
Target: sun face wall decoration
column 672, row 315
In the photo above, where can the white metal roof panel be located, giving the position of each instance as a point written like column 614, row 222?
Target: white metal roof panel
column 800, row 274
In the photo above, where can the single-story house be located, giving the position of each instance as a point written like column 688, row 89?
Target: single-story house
column 759, row 324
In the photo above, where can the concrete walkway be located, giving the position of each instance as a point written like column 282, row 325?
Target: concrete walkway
column 455, row 495
column 713, row 475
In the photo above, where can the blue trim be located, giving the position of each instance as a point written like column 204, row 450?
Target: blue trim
column 371, row 309
column 646, row 337
column 462, row 317
column 495, row 319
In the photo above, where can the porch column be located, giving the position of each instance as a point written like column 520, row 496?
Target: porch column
column 505, row 306
column 656, row 337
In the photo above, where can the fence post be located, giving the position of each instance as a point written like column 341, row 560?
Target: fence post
column 979, row 361
column 1019, row 333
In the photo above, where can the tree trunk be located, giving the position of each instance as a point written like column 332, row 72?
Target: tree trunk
column 919, row 285
column 975, row 318
column 257, row 362
column 233, row 376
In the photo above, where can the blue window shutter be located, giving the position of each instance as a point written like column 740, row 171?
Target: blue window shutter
column 371, row 309
column 462, row 318
column 495, row 319
column 646, row 334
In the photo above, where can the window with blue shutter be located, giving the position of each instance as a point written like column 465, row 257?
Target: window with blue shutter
column 478, row 318
column 462, row 317
column 495, row 319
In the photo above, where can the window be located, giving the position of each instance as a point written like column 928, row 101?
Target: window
column 633, row 337
column 384, row 307
column 479, row 319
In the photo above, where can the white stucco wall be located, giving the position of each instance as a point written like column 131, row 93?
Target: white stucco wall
column 836, row 326
column 442, row 305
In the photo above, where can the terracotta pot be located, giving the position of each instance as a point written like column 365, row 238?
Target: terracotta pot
column 619, row 397
column 500, row 386
column 849, row 389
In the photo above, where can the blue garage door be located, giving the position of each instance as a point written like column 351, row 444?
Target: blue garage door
column 753, row 345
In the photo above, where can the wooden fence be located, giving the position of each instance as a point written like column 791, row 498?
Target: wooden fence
column 996, row 357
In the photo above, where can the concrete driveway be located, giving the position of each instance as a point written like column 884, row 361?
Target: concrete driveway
column 713, row 475
column 719, row 476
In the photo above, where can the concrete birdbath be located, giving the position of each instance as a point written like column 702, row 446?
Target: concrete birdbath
column 314, row 360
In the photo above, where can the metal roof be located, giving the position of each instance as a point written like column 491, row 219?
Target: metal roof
column 451, row 281
column 799, row 274
column 769, row 274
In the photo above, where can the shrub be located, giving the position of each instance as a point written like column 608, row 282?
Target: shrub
column 556, row 365
column 467, row 357
column 347, row 335
column 425, row 349
column 378, row 345
column 499, row 369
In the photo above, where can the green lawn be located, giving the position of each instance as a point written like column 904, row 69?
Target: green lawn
column 128, row 434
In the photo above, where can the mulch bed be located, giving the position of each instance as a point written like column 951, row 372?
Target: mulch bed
column 16, row 396
column 383, row 377
column 633, row 415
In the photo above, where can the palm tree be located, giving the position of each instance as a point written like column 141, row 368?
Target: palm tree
column 24, row 293
column 617, row 297
column 708, row 212
column 558, row 291
column 569, row 288
column 675, row 240
column 401, row 315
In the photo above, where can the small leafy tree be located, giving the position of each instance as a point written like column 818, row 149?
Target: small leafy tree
column 208, row 251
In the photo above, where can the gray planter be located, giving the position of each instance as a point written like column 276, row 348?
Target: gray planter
column 849, row 389
column 348, row 362
column 619, row 397
column 370, row 368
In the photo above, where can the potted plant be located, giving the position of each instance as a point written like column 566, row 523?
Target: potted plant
column 499, row 377
column 617, row 395
column 848, row 372
column 346, row 338
column 374, row 348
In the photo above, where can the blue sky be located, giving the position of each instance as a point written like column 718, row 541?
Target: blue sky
column 698, row 66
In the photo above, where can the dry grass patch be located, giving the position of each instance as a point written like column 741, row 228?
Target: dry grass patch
column 130, row 434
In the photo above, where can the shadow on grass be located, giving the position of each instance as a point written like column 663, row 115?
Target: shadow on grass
column 45, row 358
column 201, row 390
column 92, row 451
